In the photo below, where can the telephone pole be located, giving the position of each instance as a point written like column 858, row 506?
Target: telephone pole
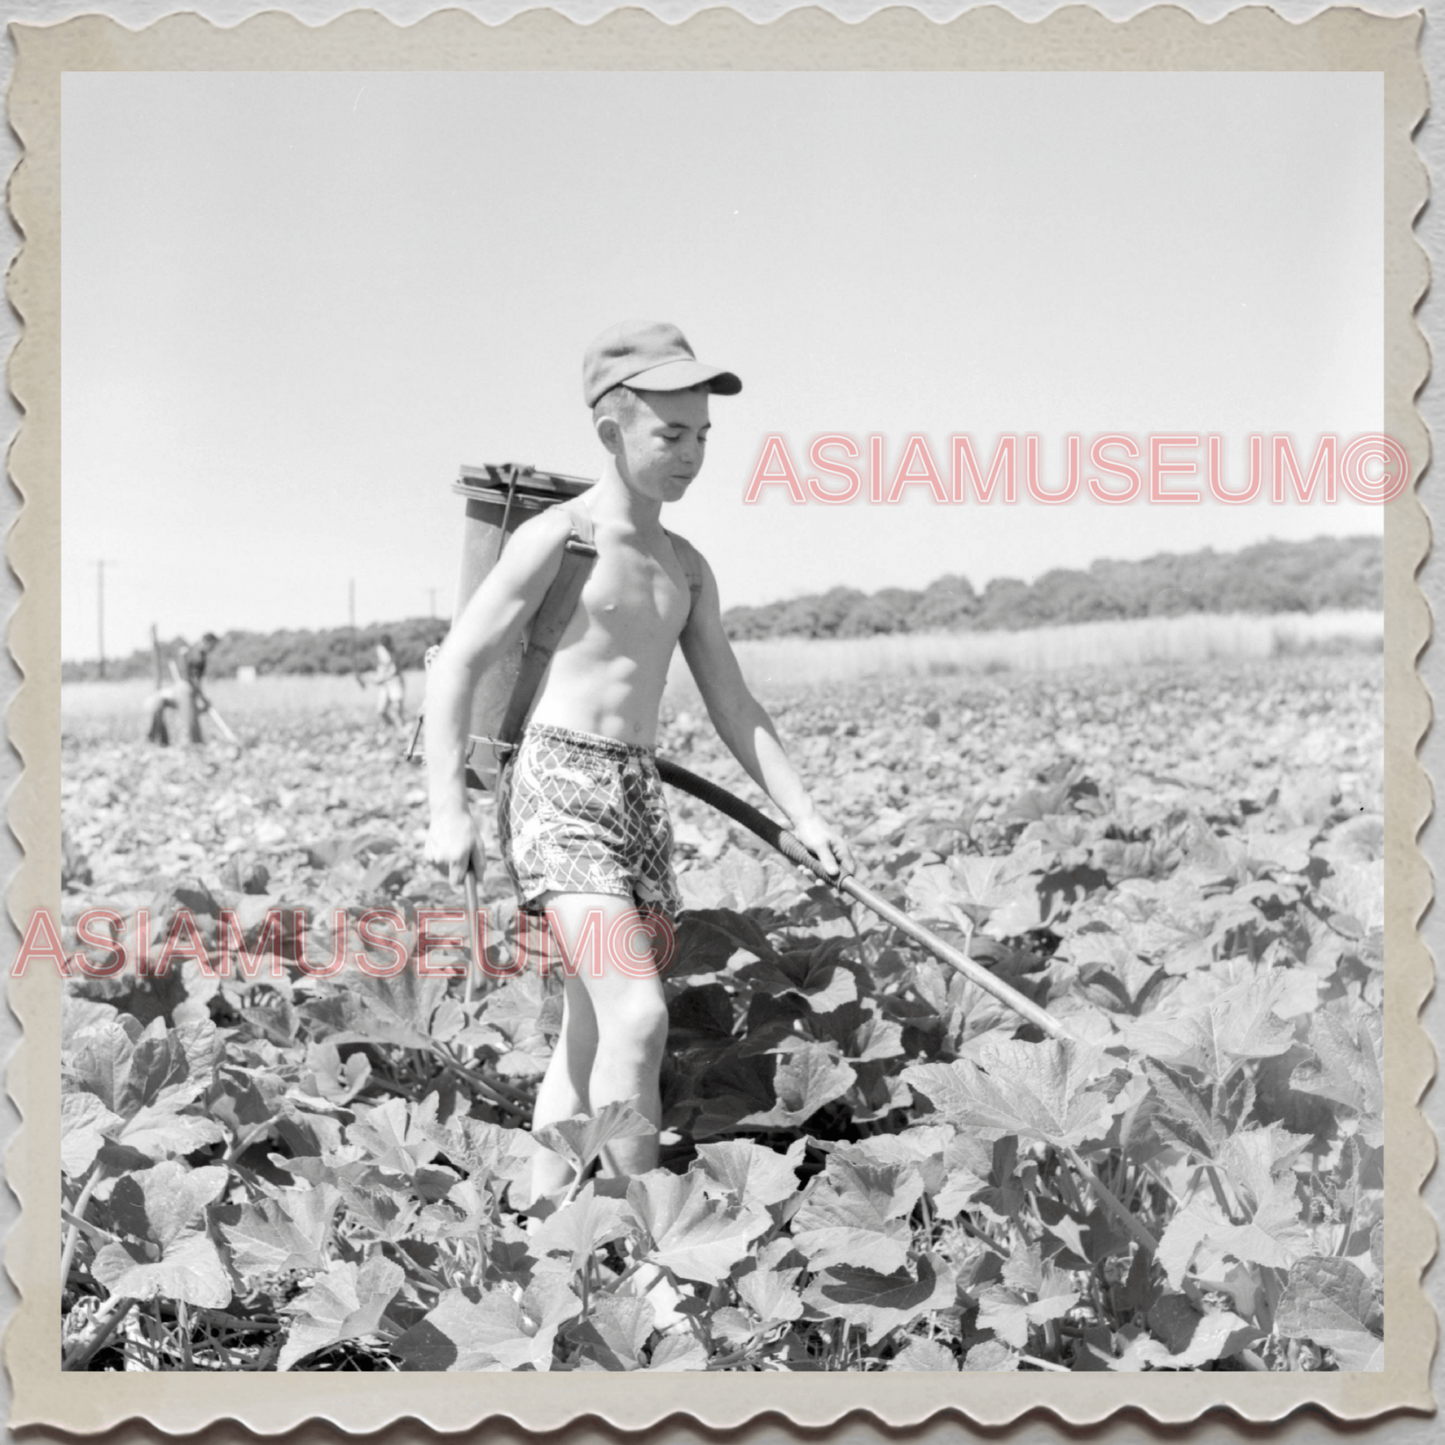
column 100, row 612
column 351, row 629
column 431, row 593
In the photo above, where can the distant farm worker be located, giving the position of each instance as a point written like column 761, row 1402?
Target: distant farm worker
column 391, row 690
column 163, row 698
column 583, row 825
column 157, row 705
column 194, row 662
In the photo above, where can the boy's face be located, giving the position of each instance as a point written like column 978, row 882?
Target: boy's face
column 659, row 449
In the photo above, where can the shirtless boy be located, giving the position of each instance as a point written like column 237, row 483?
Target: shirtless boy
column 581, row 818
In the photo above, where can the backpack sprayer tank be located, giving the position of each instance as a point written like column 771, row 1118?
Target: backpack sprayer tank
column 499, row 499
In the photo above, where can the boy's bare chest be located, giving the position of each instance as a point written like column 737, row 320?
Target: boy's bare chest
column 632, row 592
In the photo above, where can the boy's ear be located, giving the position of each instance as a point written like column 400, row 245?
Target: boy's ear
column 609, row 433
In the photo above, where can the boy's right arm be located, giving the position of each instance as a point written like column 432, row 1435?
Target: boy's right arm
column 490, row 623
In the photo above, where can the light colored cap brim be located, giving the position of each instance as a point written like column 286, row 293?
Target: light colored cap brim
column 681, row 375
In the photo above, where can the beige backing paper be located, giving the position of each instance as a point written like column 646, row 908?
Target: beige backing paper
column 1072, row 39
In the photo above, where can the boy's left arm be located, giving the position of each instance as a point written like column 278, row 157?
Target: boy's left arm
column 744, row 725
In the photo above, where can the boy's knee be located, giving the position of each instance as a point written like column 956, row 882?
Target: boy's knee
column 640, row 1025
column 650, row 1020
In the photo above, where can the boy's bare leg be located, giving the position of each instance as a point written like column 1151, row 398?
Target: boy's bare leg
column 630, row 1013
column 563, row 1090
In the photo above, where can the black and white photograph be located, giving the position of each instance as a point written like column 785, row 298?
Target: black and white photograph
column 724, row 721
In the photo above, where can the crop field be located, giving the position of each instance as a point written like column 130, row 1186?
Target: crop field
column 868, row 1163
column 122, row 706
column 1193, row 637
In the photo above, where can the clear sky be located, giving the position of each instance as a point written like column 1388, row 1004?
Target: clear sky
column 293, row 304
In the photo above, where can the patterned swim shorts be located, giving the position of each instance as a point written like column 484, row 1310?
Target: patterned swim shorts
column 579, row 813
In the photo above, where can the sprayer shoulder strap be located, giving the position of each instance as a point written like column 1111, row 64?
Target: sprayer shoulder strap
column 552, row 618
column 691, row 560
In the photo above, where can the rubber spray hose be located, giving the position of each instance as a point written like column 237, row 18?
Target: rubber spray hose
column 786, row 843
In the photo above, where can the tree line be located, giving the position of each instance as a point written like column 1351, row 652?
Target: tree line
column 335, row 650
column 1270, row 577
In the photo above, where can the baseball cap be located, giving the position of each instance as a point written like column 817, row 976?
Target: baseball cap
column 648, row 356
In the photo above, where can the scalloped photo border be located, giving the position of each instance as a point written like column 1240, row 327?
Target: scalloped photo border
column 983, row 40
